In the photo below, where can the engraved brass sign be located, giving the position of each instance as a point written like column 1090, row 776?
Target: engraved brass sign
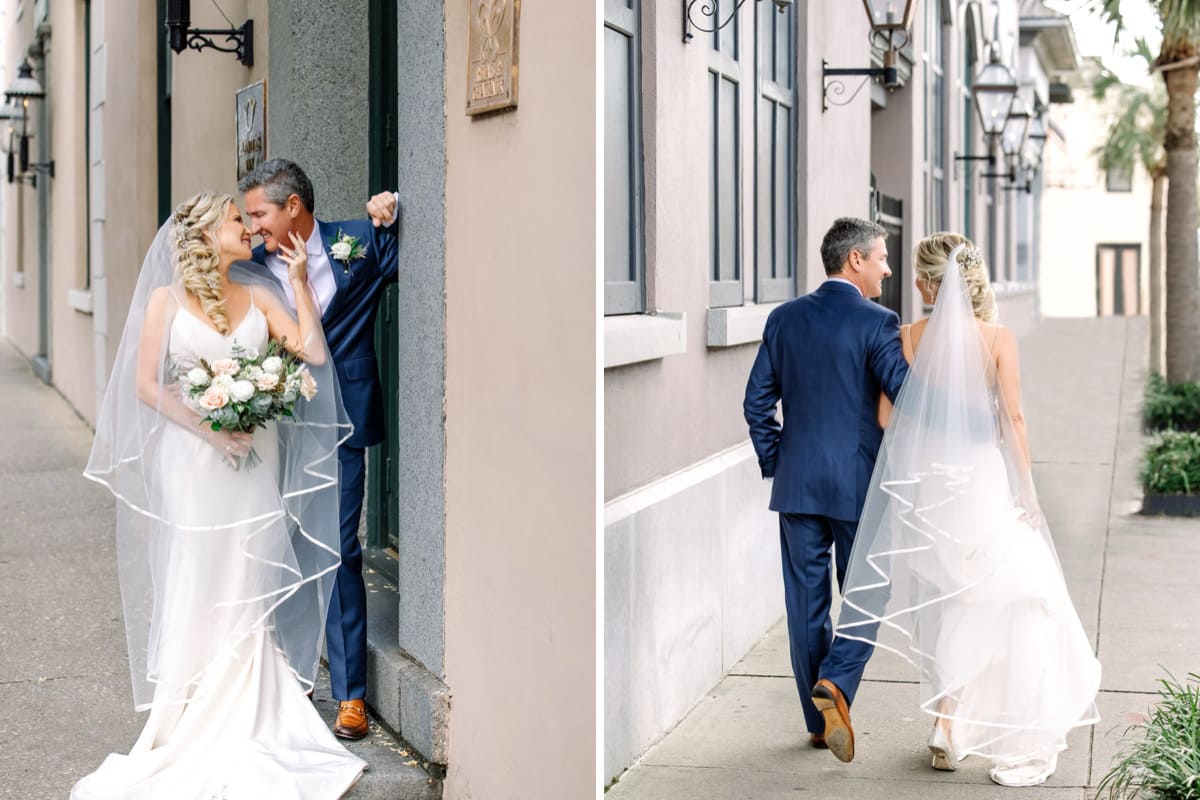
column 492, row 55
column 251, row 127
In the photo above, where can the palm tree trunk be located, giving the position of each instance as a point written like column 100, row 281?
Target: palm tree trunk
column 1183, row 267
column 1157, row 323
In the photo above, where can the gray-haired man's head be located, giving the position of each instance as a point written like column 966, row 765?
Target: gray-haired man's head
column 844, row 235
column 279, row 179
column 279, row 201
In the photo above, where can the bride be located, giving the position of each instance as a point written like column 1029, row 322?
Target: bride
column 953, row 567
column 225, row 573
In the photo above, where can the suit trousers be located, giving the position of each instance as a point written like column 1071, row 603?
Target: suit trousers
column 806, row 542
column 346, row 625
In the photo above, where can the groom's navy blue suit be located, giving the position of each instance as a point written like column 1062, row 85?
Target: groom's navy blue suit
column 826, row 355
column 349, row 323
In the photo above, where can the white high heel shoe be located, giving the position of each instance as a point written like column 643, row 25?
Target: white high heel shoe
column 1031, row 773
column 944, row 757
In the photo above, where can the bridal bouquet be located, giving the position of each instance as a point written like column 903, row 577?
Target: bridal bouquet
column 246, row 390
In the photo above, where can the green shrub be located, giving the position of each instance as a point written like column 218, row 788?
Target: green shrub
column 1173, row 464
column 1171, row 406
column 1161, row 761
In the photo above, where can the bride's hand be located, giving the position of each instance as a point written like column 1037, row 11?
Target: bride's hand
column 232, row 446
column 296, row 257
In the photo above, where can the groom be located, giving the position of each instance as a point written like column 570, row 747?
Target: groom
column 826, row 355
column 350, row 264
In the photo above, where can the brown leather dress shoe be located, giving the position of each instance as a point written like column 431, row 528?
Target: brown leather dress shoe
column 839, row 736
column 351, row 720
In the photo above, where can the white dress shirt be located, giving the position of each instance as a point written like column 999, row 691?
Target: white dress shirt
column 320, row 272
column 839, row 280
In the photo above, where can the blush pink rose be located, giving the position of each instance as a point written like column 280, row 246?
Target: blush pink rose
column 266, row 381
column 225, row 366
column 213, row 398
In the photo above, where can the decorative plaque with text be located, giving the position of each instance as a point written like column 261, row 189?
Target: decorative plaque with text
column 251, row 127
column 492, row 55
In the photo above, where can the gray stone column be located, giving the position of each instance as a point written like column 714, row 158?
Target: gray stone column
column 317, row 96
column 421, row 132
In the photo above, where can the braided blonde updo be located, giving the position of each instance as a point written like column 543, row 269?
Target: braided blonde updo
column 930, row 259
column 197, row 253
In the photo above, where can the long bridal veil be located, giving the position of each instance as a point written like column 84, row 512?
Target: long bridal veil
column 953, row 567
column 209, row 559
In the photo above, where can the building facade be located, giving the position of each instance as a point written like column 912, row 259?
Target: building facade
column 727, row 156
column 1102, row 268
column 477, row 658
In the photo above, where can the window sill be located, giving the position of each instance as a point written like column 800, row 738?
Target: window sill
column 634, row 338
column 736, row 325
column 80, row 300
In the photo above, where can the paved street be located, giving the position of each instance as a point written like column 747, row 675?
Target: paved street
column 1132, row 580
column 64, row 673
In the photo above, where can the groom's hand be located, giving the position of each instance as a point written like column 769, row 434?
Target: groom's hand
column 382, row 208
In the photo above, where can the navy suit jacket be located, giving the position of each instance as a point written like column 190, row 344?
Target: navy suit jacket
column 349, row 320
column 826, row 355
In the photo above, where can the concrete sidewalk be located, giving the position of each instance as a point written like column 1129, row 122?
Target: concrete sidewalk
column 1132, row 580
column 64, row 671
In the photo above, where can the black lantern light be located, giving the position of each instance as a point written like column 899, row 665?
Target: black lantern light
column 1012, row 142
column 24, row 88
column 889, row 21
column 992, row 92
column 8, row 115
column 1035, row 141
column 239, row 41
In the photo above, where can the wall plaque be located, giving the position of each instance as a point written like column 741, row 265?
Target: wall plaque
column 251, row 127
column 492, row 55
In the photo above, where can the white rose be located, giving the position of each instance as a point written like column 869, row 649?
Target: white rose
column 223, row 382
column 197, row 376
column 340, row 250
column 266, row 381
column 308, row 385
column 274, row 365
column 213, row 398
column 241, row 391
column 225, row 366
column 250, row 353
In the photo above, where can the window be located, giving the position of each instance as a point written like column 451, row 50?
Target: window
column 1118, row 179
column 624, row 223
column 775, row 166
column 935, row 118
column 725, row 219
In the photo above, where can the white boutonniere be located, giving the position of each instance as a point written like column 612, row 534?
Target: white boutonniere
column 346, row 249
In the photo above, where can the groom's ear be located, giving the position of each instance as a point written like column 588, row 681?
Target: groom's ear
column 293, row 205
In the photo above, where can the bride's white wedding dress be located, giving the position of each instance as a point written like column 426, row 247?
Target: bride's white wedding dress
column 229, row 719
column 954, row 569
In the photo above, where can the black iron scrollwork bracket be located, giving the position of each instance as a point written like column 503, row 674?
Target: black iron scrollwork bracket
column 241, row 41
column 990, row 159
column 709, row 20
column 837, row 87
